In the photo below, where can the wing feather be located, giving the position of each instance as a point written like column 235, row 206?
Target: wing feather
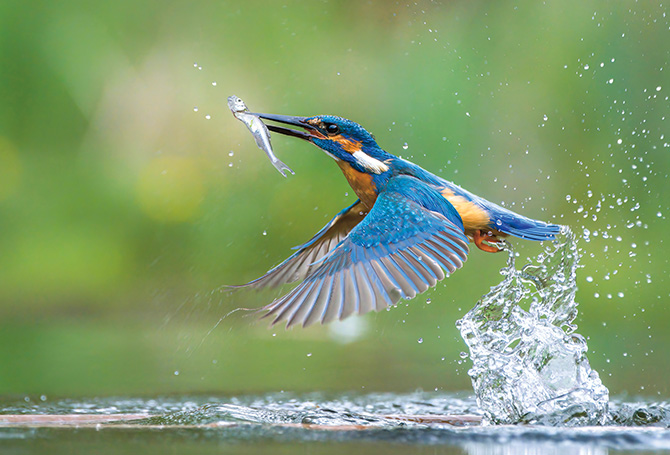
column 306, row 259
column 400, row 249
column 350, row 299
column 302, row 304
column 334, row 307
column 414, row 274
column 432, row 262
column 367, row 296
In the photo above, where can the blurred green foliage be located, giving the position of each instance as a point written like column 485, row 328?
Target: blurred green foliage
column 128, row 194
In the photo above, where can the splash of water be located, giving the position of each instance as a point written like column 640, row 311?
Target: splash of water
column 529, row 364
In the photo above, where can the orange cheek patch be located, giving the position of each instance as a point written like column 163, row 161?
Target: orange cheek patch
column 348, row 145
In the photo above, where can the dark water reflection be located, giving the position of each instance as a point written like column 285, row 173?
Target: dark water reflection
column 273, row 423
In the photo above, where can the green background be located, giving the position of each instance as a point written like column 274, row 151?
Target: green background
column 123, row 208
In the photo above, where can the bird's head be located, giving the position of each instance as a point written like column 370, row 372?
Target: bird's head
column 340, row 138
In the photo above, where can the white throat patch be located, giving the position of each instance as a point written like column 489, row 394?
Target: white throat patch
column 369, row 163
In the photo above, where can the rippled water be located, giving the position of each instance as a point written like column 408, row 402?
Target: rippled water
column 529, row 363
column 360, row 420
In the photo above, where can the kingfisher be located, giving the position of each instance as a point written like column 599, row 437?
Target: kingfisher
column 408, row 230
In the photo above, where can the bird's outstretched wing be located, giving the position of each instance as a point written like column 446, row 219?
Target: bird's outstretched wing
column 399, row 250
column 301, row 263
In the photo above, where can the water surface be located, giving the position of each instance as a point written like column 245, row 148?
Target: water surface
column 319, row 423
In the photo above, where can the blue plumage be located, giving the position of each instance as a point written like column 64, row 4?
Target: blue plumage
column 501, row 219
column 408, row 230
column 399, row 250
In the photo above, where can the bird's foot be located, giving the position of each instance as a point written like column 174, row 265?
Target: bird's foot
column 487, row 241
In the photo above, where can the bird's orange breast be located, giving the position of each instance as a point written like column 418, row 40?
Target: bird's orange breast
column 361, row 183
column 473, row 216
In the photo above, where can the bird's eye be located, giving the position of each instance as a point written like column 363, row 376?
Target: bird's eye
column 332, row 128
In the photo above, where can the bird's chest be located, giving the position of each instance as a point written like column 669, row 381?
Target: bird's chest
column 362, row 184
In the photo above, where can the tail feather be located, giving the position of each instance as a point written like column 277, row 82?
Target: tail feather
column 519, row 226
column 539, row 233
column 502, row 219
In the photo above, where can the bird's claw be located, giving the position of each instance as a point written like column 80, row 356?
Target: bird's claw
column 487, row 241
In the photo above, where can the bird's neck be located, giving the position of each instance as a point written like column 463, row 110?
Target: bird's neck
column 367, row 186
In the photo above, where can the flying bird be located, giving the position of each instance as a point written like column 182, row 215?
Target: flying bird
column 408, row 230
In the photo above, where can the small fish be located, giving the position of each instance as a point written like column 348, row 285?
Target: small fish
column 258, row 129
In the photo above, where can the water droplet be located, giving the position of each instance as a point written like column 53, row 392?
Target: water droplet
column 195, row 109
column 658, row 89
column 428, row 301
column 309, row 354
column 507, row 345
column 176, row 372
column 208, row 116
column 265, row 232
column 231, row 153
column 659, row 214
column 214, row 83
column 463, row 355
column 405, row 146
column 589, row 279
column 420, row 340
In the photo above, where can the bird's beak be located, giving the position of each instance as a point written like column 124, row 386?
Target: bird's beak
column 290, row 120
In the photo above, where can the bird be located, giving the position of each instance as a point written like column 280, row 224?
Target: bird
column 408, row 230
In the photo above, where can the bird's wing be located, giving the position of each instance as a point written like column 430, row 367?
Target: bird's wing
column 398, row 251
column 301, row 263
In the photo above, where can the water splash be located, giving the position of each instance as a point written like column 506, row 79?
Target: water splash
column 529, row 364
